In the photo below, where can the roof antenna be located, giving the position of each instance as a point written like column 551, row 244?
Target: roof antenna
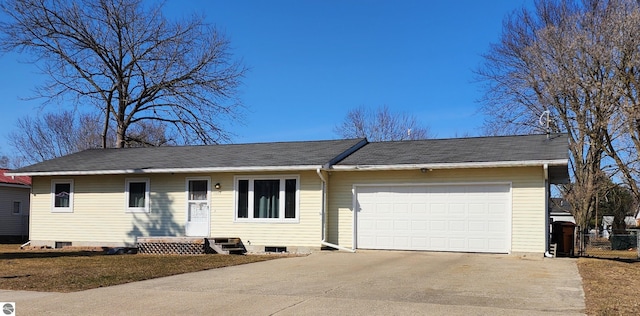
column 546, row 113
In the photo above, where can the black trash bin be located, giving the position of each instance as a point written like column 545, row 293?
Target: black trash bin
column 562, row 234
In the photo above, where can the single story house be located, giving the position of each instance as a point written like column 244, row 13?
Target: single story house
column 14, row 206
column 481, row 194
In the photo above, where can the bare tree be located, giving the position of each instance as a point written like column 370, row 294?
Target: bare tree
column 562, row 57
column 4, row 161
column 380, row 125
column 61, row 133
column 126, row 58
column 617, row 201
column 54, row 135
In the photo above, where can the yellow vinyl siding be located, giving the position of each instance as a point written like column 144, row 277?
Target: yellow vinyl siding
column 99, row 211
column 528, row 194
column 99, row 214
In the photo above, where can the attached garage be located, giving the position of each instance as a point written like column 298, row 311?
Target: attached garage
column 478, row 195
column 454, row 217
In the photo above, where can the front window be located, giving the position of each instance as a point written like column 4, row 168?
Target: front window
column 267, row 198
column 137, row 192
column 62, row 195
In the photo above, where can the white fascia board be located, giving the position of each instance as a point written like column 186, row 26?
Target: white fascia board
column 167, row 170
column 457, row 165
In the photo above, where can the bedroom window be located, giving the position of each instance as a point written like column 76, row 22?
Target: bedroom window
column 267, row 198
column 137, row 195
column 62, row 196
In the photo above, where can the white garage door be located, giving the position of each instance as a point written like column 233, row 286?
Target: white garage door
column 465, row 218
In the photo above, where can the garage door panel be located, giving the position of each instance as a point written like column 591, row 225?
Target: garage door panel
column 400, row 209
column 478, row 243
column 420, row 242
column 436, row 209
column 457, row 226
column 477, row 227
column 438, row 226
column 472, row 218
column 384, row 225
column 438, row 243
column 495, row 226
column 420, row 225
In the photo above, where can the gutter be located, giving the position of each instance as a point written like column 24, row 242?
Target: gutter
column 458, row 165
column 324, row 241
column 151, row 170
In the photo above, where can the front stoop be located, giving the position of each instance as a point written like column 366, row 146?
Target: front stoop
column 190, row 245
column 226, row 245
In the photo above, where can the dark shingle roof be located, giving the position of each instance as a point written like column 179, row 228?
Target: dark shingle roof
column 280, row 154
column 462, row 150
column 309, row 155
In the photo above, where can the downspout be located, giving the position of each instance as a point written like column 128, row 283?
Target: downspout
column 546, row 210
column 324, row 216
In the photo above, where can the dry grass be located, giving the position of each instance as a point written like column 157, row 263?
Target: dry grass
column 74, row 270
column 611, row 287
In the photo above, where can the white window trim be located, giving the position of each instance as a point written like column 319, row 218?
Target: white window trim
column 147, row 195
column 55, row 209
column 250, row 218
column 19, row 211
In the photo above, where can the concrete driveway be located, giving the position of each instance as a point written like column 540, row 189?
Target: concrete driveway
column 338, row 283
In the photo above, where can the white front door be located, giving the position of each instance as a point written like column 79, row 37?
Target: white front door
column 198, row 213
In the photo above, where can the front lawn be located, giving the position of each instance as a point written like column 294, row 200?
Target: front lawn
column 611, row 287
column 72, row 270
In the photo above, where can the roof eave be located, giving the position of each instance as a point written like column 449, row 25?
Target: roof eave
column 15, row 185
column 167, row 170
column 455, row 165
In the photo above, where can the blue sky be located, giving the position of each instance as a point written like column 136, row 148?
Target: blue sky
column 313, row 61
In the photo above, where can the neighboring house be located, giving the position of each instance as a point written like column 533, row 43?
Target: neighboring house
column 560, row 210
column 14, row 206
column 484, row 194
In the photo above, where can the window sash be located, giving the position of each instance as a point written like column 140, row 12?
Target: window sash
column 61, row 195
column 267, row 198
column 198, row 190
column 137, row 195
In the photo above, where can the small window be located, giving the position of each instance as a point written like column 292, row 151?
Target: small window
column 267, row 198
column 137, row 195
column 62, row 195
column 17, row 208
